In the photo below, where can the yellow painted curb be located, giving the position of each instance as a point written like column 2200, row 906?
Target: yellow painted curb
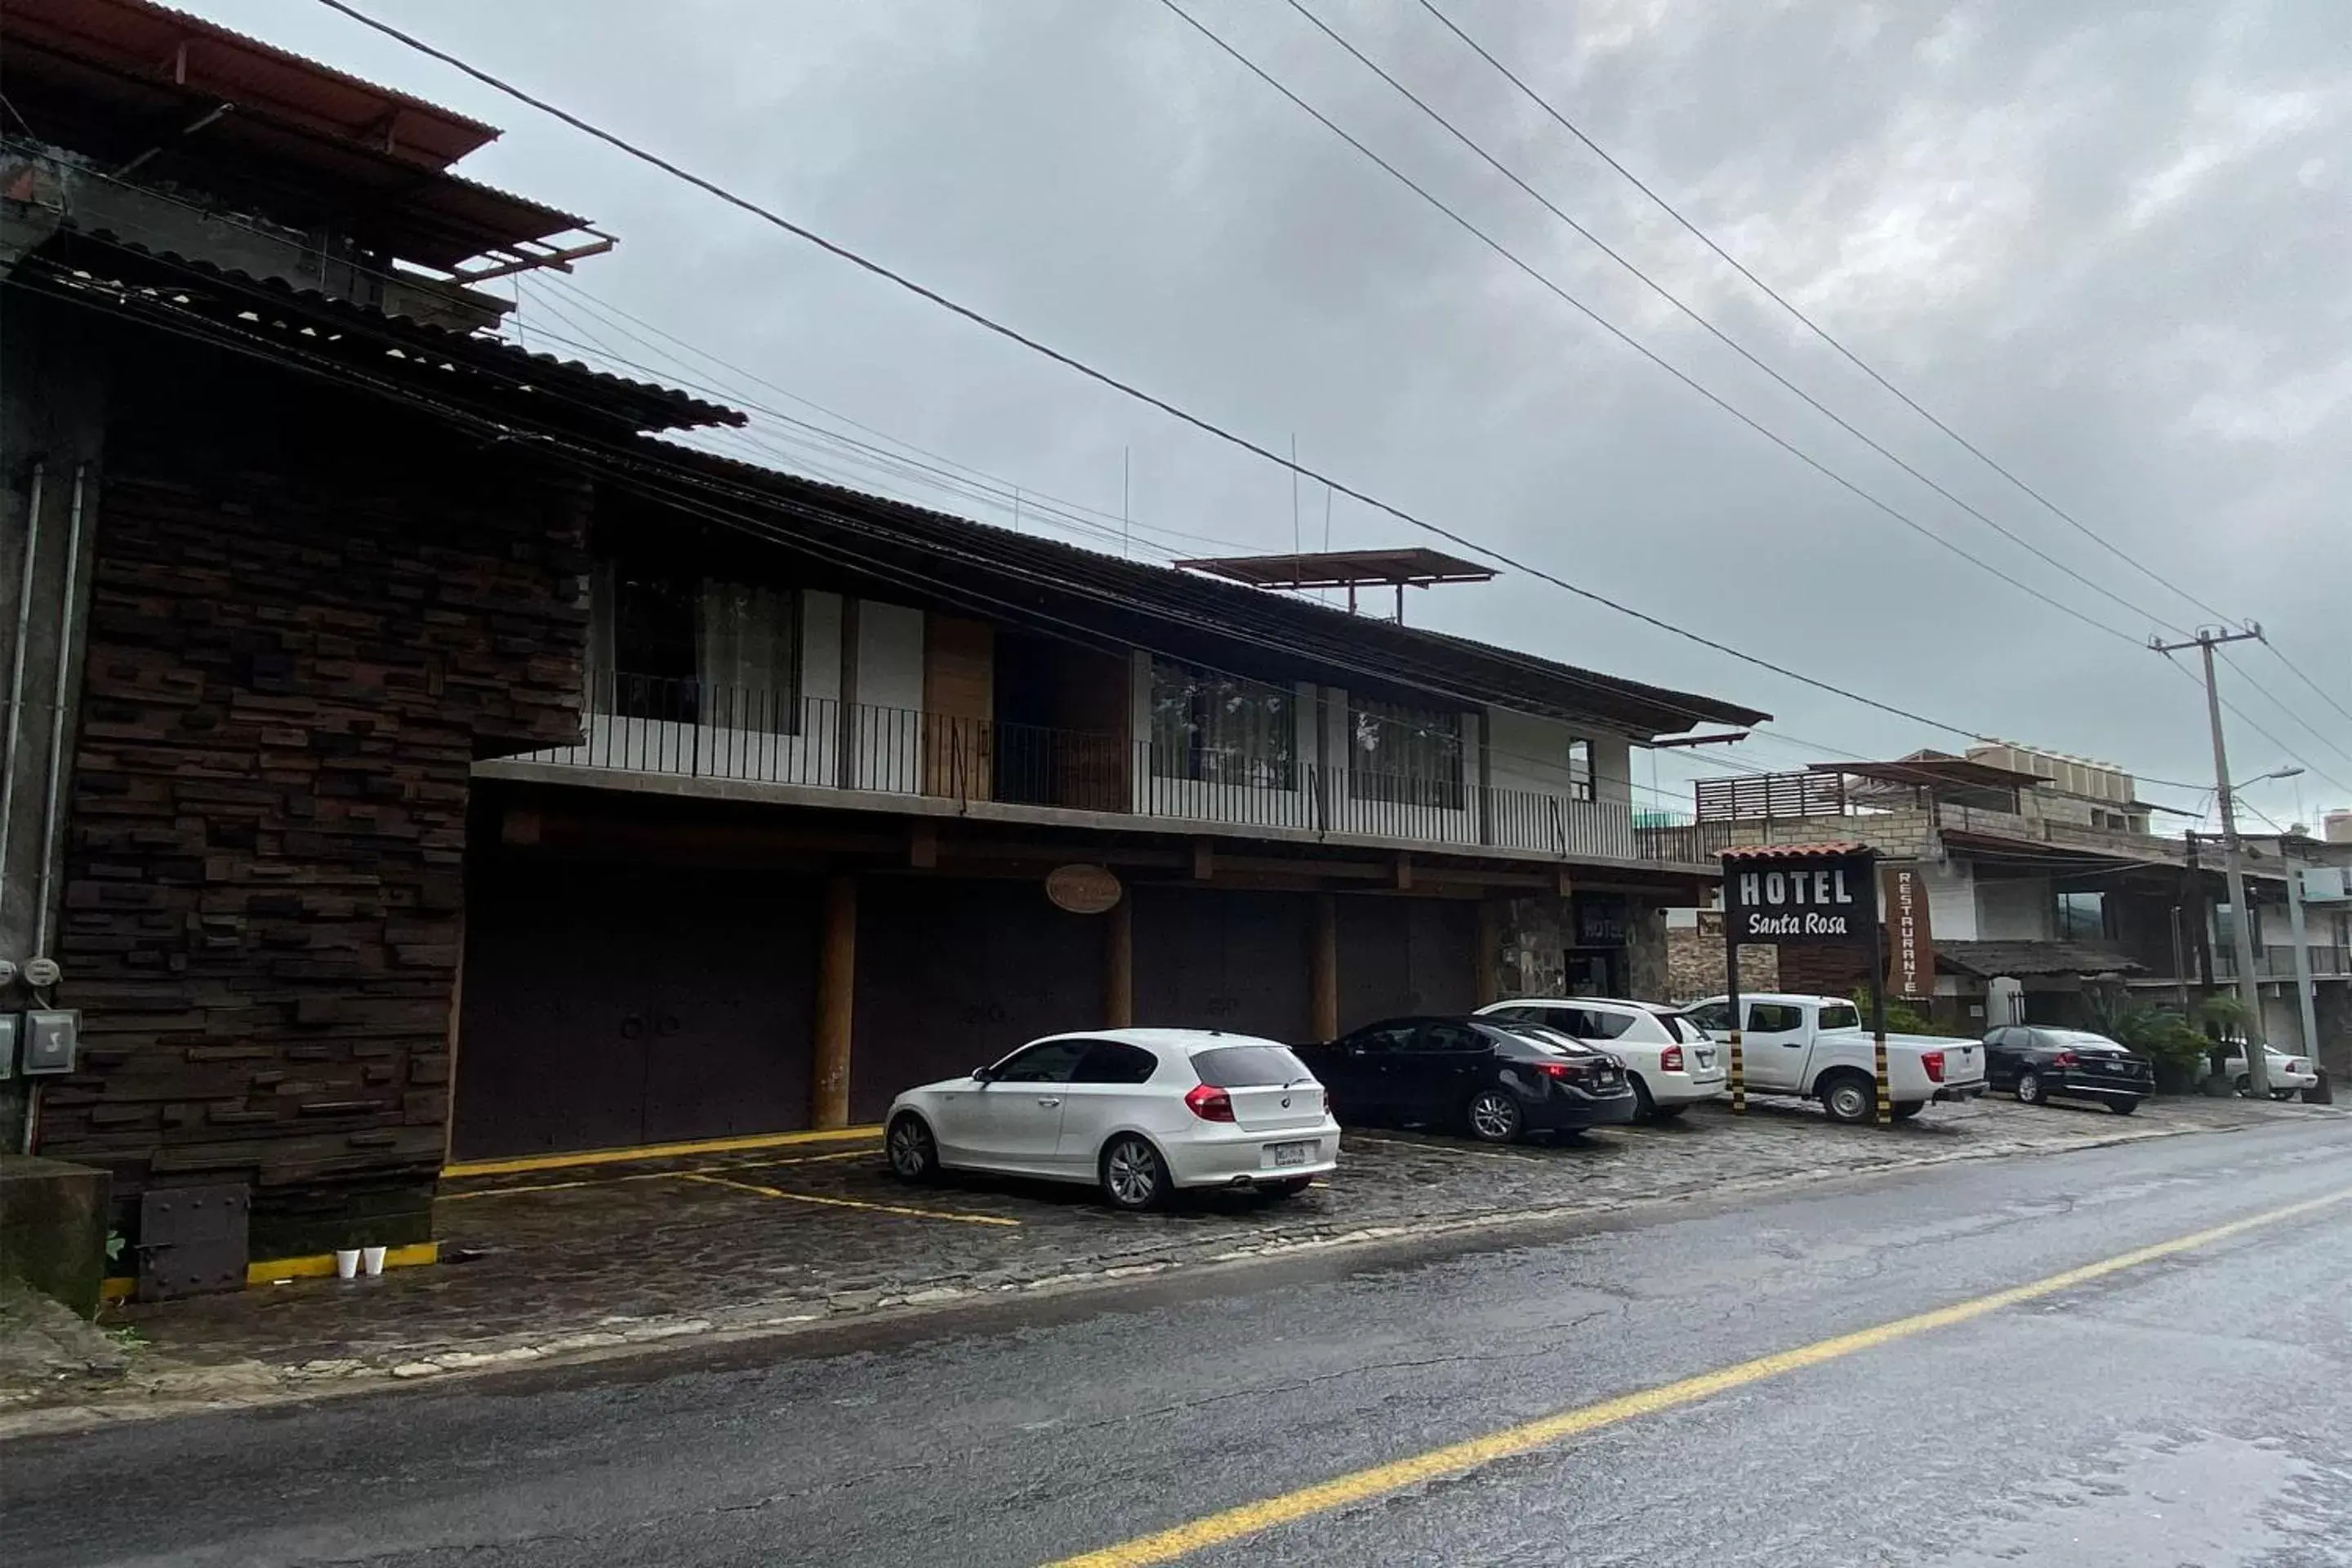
column 653, row 1152
column 317, row 1266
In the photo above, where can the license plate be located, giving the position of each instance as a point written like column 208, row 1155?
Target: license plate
column 1705, row 1058
column 1292, row 1153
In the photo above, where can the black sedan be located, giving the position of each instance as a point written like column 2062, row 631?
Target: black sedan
column 2040, row 1063
column 1488, row 1076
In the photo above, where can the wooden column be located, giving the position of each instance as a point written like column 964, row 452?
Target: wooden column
column 836, row 987
column 1119, row 964
column 1323, row 967
column 1490, row 952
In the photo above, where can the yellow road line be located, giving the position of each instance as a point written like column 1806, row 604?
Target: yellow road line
column 654, row 1151
column 840, row 1203
column 1457, row 1459
column 654, row 1176
column 1466, row 1154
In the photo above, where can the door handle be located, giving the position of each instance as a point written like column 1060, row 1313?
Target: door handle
column 1049, row 1103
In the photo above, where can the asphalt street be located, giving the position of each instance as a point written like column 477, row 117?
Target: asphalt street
column 2190, row 1406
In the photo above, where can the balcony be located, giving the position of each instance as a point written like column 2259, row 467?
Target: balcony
column 815, row 749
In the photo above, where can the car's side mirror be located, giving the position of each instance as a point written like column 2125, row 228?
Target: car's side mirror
column 983, row 1075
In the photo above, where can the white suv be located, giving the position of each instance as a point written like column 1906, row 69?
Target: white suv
column 1672, row 1062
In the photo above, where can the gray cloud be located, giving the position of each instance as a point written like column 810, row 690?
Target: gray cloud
column 2104, row 240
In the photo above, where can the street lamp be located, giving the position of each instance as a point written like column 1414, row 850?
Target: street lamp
column 2287, row 773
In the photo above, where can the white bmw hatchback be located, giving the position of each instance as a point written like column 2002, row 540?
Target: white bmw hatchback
column 1137, row 1113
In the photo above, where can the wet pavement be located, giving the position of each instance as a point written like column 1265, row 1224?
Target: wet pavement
column 603, row 1260
column 2170, row 1391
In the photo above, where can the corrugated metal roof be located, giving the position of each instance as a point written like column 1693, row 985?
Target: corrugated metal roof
column 496, row 370
column 1108, row 594
column 1986, row 960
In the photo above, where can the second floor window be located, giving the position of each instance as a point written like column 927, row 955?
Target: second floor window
column 1220, row 729
column 1580, row 770
column 698, row 651
column 2082, row 917
column 1409, row 755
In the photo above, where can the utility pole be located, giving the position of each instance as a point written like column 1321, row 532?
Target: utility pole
column 2305, row 1011
column 2242, row 916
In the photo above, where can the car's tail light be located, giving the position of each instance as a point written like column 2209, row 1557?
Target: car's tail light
column 2065, row 1059
column 1209, row 1102
column 2297, row 1064
column 1671, row 1059
column 1933, row 1061
column 1561, row 1069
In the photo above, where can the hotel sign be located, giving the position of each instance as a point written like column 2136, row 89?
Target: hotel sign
column 1800, row 899
column 1910, row 937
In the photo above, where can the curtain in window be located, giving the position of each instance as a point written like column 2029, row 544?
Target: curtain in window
column 1220, row 730
column 1409, row 755
column 745, row 643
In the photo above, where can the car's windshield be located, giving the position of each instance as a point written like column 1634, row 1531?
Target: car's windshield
column 1248, row 1067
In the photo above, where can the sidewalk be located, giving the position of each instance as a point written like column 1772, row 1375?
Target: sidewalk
column 599, row 1259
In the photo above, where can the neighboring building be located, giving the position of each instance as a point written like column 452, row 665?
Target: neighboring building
column 2045, row 879
column 430, row 734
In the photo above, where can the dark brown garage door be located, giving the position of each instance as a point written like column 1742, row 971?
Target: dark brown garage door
column 951, row 974
column 607, row 1009
column 1208, row 958
column 1401, row 955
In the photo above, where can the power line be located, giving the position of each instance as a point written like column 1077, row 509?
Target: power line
column 2241, row 715
column 1717, row 332
column 1816, row 328
column 2239, row 670
column 2296, row 672
column 1126, row 389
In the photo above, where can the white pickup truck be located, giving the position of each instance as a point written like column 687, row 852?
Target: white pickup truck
column 1814, row 1047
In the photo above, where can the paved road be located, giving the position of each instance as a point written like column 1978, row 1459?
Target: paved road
column 2193, row 1409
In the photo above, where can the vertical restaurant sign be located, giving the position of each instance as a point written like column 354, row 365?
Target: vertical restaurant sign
column 1910, row 934
column 1795, row 900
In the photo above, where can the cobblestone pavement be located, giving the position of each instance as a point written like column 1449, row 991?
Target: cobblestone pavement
column 585, row 1260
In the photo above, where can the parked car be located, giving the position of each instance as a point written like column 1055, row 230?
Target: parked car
column 2289, row 1076
column 1492, row 1078
column 1671, row 1062
column 1137, row 1113
column 1813, row 1047
column 2040, row 1063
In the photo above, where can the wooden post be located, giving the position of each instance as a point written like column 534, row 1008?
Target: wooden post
column 1119, row 964
column 1490, row 952
column 1323, row 967
column 836, row 989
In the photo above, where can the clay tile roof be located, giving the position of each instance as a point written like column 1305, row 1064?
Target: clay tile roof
column 1824, row 851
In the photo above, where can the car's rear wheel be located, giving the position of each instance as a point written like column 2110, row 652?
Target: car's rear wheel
column 1904, row 1109
column 1850, row 1098
column 1645, row 1108
column 1666, row 1112
column 1290, row 1187
column 1134, row 1176
column 2123, row 1107
column 1494, row 1117
column 2242, row 1085
column 2030, row 1089
column 914, row 1153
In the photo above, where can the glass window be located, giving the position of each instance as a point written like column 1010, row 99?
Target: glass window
column 1600, row 1023
column 1517, row 1015
column 746, row 658
column 2082, row 917
column 1551, row 1042
column 1580, row 770
column 1836, row 1016
column 1222, row 729
column 1780, row 1018
column 1048, row 1061
column 1454, row 1039
column 1713, row 1016
column 1409, row 755
column 1114, row 1061
column 1249, row 1067
column 1681, row 1027
column 698, row 650
column 1383, row 1039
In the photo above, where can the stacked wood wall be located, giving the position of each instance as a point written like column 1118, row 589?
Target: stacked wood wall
column 311, row 615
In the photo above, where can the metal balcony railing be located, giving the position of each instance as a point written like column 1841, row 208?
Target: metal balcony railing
column 704, row 730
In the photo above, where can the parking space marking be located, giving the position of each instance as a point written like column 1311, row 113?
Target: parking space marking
column 841, row 1202
column 529, row 1162
column 657, row 1175
column 1466, row 1154
column 1461, row 1459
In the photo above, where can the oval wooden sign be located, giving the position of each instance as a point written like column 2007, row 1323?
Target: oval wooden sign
column 1083, row 889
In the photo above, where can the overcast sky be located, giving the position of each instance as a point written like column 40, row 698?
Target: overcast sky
column 2105, row 241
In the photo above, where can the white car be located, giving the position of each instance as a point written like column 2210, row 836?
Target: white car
column 1137, row 1113
column 1671, row 1062
column 2289, row 1075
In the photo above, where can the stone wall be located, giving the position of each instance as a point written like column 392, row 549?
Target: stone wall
column 1695, row 966
column 1532, row 940
column 311, row 614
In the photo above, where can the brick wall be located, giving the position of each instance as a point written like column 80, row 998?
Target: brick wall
column 309, row 618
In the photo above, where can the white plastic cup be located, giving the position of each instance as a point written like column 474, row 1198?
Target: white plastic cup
column 347, row 1262
column 371, row 1259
